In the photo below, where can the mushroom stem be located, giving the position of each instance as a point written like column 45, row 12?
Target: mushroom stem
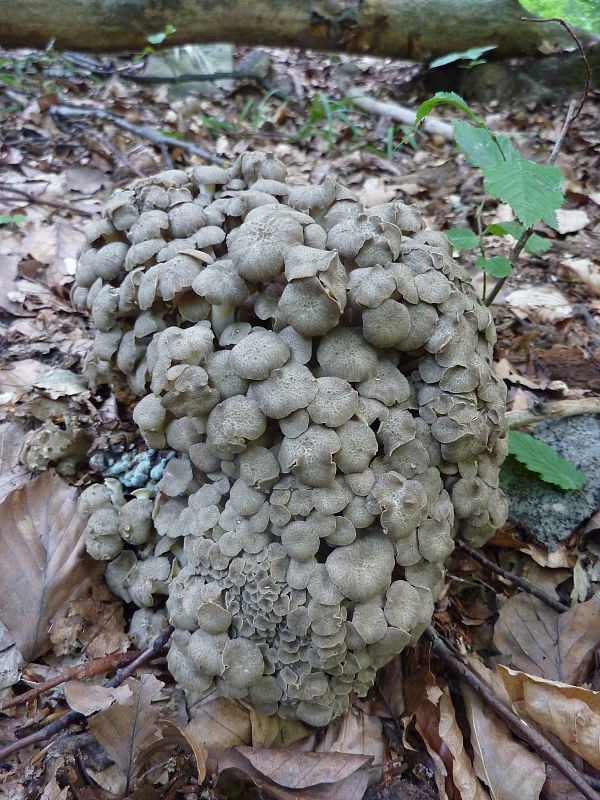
column 221, row 317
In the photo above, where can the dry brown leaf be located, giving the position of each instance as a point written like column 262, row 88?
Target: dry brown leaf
column 173, row 738
column 570, row 712
column 539, row 304
column 357, row 733
column 540, row 641
column 289, row 775
column 274, row 731
column 571, row 220
column 12, row 473
column 509, row 769
column 218, row 724
column 42, row 561
column 435, row 721
column 93, row 623
column 127, row 726
column 587, row 271
column 19, row 378
column 88, row 698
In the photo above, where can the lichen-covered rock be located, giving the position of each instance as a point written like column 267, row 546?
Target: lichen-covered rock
column 324, row 373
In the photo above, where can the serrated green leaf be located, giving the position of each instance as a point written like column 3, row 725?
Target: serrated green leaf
column 538, row 457
column 531, row 190
column 450, row 98
column 462, row 238
column 497, row 266
column 468, row 55
column 537, row 244
column 479, row 147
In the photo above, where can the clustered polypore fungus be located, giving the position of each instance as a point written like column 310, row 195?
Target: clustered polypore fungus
column 324, row 373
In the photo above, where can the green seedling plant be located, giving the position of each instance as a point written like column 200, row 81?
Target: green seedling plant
column 154, row 39
column 533, row 191
column 326, row 117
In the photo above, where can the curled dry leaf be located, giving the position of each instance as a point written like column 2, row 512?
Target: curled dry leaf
column 586, row 270
column 42, row 559
column 88, row 698
column 129, row 725
column 172, row 739
column 505, row 765
column 289, row 775
column 569, row 712
column 435, row 720
column 539, row 304
column 540, row 641
column 218, row 724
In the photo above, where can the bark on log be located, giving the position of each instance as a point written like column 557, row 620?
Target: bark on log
column 413, row 29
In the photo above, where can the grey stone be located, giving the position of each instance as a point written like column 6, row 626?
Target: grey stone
column 551, row 514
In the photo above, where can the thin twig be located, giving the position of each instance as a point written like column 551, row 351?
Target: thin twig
column 573, row 35
column 518, row 726
column 41, row 201
column 66, row 111
column 70, row 717
column 88, row 670
column 553, row 410
column 509, row 576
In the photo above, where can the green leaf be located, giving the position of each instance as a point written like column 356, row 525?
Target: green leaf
column 479, row 147
column 543, row 460
column 537, row 244
column 509, row 228
column 498, row 266
column 462, row 238
column 469, row 55
column 450, row 98
column 531, row 190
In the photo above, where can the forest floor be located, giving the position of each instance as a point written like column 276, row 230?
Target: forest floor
column 423, row 732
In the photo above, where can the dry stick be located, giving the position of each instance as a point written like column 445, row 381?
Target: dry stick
column 524, row 731
column 74, row 716
column 6, row 188
column 572, row 114
column 88, row 670
column 143, row 131
column 520, row 582
column 401, row 114
column 558, row 408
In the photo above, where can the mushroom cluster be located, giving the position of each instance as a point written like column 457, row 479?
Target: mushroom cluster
column 323, row 372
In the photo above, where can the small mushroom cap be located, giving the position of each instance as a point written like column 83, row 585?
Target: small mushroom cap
column 307, row 306
column 234, row 421
column 257, row 247
column 287, row 389
column 403, row 504
column 258, row 467
column 343, row 353
column 257, row 354
column 310, row 455
column 387, row 324
column 402, row 606
column 221, row 284
column 334, row 403
column 362, row 570
column 358, row 446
